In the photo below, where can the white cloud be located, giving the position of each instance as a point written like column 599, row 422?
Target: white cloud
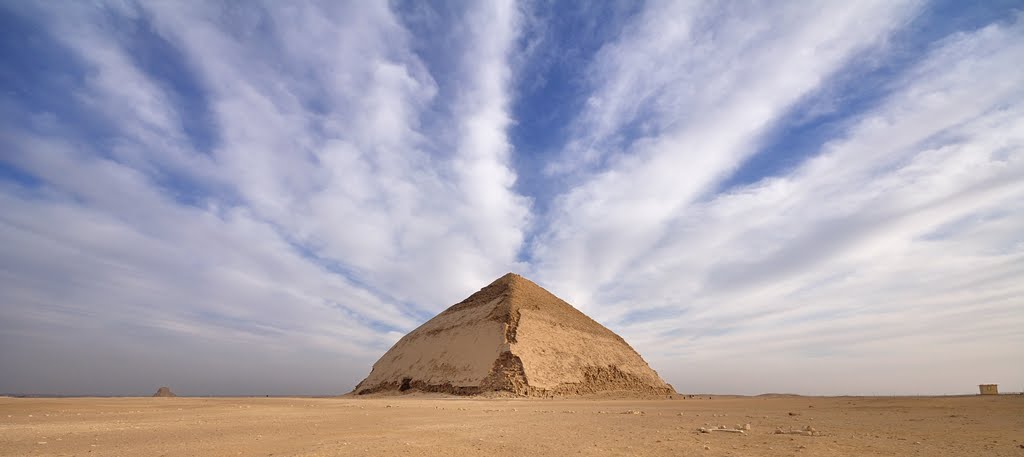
column 900, row 242
column 350, row 188
column 680, row 100
column 362, row 183
column 321, row 163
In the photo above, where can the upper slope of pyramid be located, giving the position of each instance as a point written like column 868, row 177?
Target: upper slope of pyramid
column 514, row 337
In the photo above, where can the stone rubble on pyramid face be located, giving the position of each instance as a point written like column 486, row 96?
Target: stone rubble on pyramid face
column 513, row 338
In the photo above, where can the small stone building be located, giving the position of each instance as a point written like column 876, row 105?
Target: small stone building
column 989, row 389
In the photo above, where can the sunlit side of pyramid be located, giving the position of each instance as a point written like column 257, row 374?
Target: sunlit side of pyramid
column 513, row 338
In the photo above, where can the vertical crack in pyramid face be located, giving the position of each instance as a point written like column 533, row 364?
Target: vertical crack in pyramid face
column 513, row 338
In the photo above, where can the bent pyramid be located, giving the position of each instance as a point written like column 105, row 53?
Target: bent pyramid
column 164, row 392
column 513, row 338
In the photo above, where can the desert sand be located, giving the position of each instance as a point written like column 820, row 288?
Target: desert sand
column 419, row 426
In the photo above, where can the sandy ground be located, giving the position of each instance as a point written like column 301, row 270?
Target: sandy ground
column 849, row 426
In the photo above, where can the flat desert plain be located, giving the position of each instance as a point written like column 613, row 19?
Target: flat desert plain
column 847, row 426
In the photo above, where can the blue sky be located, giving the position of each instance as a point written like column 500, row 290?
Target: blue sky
column 253, row 198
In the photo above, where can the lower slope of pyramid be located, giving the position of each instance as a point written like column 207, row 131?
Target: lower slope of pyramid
column 512, row 338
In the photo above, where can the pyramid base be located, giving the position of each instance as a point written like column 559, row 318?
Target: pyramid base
column 507, row 380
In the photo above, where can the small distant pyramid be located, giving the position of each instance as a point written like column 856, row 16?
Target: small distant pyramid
column 513, row 338
column 164, row 392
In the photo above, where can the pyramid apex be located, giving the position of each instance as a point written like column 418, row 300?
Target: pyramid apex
column 518, row 285
column 509, row 277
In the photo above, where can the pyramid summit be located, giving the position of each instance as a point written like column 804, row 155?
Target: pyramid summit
column 513, row 338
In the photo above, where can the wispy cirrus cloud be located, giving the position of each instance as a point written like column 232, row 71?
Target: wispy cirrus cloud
column 261, row 198
column 680, row 100
column 308, row 217
column 849, row 262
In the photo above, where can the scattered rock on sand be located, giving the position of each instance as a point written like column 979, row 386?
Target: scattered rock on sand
column 806, row 431
column 721, row 428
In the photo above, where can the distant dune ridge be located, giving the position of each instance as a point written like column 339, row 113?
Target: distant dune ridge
column 513, row 338
column 164, row 392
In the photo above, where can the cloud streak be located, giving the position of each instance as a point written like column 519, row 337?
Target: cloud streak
column 262, row 198
column 848, row 257
column 322, row 202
